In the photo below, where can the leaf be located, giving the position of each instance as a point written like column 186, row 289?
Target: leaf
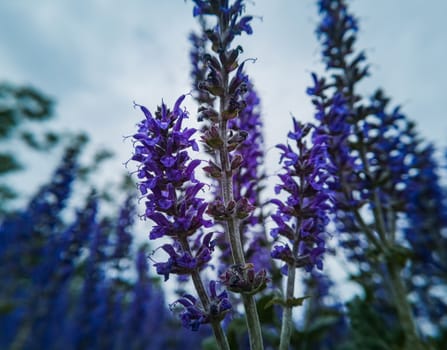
column 297, row 301
column 7, row 122
column 8, row 163
column 209, row 343
column 291, row 302
column 266, row 313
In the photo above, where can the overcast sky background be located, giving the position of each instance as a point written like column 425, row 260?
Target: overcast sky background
column 95, row 57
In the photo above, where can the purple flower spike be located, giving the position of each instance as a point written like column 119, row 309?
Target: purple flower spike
column 181, row 262
column 194, row 315
column 303, row 216
column 169, row 187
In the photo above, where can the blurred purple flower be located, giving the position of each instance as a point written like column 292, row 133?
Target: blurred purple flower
column 302, row 217
column 193, row 315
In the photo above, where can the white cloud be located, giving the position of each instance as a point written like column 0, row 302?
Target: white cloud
column 96, row 57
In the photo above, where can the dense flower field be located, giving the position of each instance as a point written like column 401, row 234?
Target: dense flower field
column 358, row 184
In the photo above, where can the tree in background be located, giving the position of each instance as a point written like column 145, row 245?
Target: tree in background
column 73, row 278
column 358, row 183
column 20, row 108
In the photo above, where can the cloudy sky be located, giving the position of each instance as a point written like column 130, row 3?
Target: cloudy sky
column 96, row 57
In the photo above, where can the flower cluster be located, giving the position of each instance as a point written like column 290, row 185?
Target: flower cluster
column 69, row 289
column 385, row 150
column 170, row 188
column 337, row 33
column 244, row 279
column 181, row 262
column 227, row 128
column 194, row 315
column 303, row 216
column 233, row 135
column 427, row 212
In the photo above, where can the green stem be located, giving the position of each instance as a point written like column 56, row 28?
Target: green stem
column 232, row 225
column 253, row 323
column 219, row 334
column 232, row 228
column 286, row 325
column 405, row 314
column 398, row 290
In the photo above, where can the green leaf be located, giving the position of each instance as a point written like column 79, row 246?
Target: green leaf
column 209, row 343
column 266, row 313
column 48, row 140
column 8, row 163
column 33, row 104
column 291, row 302
column 7, row 122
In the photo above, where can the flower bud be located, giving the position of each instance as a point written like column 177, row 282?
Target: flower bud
column 243, row 279
column 208, row 113
column 213, row 170
column 212, row 138
column 236, row 162
column 244, row 208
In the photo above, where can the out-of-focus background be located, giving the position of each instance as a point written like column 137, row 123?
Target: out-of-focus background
column 96, row 57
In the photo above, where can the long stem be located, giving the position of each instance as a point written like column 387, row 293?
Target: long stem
column 219, row 334
column 398, row 290
column 232, row 229
column 232, row 226
column 399, row 293
column 405, row 314
column 286, row 326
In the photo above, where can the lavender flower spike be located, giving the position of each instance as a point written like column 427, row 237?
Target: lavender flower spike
column 166, row 173
column 170, row 189
column 302, row 218
column 193, row 315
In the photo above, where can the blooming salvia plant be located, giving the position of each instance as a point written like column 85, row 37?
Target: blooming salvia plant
column 349, row 171
column 378, row 158
column 173, row 203
column 302, row 218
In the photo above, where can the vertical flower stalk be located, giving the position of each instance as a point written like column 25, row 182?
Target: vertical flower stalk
column 323, row 303
column 248, row 181
column 171, row 192
column 382, row 145
column 227, row 85
column 302, row 217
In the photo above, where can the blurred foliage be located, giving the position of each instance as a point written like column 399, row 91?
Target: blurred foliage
column 80, row 283
column 71, row 277
column 20, row 108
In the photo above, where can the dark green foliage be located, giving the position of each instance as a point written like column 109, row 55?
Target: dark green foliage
column 79, row 283
column 21, row 107
column 8, row 163
column 22, row 103
column 369, row 330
